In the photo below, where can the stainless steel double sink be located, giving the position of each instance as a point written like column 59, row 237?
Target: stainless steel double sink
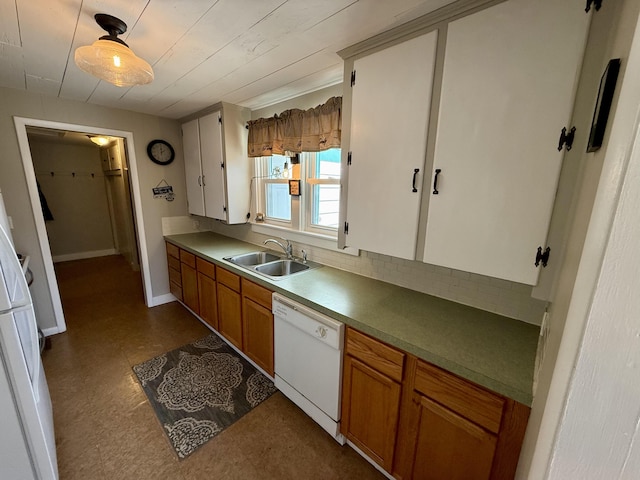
column 271, row 265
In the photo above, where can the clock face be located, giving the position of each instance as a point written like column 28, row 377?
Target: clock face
column 160, row 152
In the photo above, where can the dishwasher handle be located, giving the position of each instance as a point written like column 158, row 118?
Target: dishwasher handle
column 285, row 303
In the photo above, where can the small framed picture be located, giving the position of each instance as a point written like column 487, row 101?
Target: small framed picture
column 603, row 104
column 294, row 188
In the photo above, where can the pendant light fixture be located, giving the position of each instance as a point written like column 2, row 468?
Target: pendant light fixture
column 110, row 59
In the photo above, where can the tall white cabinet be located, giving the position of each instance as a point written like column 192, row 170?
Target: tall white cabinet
column 217, row 168
column 502, row 90
column 391, row 97
column 508, row 85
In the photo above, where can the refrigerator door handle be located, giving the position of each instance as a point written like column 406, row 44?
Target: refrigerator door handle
column 15, row 283
column 19, row 303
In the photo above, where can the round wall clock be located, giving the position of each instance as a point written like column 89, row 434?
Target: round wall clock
column 160, row 152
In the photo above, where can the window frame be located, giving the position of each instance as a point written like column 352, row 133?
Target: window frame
column 301, row 206
column 310, row 181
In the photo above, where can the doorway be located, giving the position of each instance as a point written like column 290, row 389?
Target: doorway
column 85, row 194
column 128, row 203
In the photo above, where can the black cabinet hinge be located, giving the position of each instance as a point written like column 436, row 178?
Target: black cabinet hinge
column 346, row 228
column 219, row 119
column 222, row 165
column 224, row 209
column 349, row 158
column 566, row 139
column 596, row 4
column 542, row 257
column 353, row 78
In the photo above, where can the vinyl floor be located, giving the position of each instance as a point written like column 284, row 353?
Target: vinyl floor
column 105, row 426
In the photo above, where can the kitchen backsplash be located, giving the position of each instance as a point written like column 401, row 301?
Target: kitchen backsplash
column 486, row 293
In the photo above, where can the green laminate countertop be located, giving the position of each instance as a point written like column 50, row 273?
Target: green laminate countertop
column 491, row 350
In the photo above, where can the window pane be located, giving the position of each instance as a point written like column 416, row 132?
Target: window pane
column 276, row 165
column 278, row 201
column 328, row 164
column 326, row 205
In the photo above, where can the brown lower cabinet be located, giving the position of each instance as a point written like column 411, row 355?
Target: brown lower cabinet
column 420, row 422
column 189, row 280
column 414, row 419
column 229, row 306
column 175, row 275
column 238, row 309
column 257, row 325
column 207, row 295
column 371, row 388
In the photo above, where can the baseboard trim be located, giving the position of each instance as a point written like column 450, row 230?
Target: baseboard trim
column 162, row 299
column 82, row 255
column 51, row 331
column 370, row 460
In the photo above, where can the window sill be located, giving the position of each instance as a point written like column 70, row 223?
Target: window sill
column 313, row 239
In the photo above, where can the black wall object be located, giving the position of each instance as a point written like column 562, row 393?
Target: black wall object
column 294, row 188
column 596, row 3
column 603, row 104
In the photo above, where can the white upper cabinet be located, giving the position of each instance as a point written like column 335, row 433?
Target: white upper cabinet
column 508, row 85
column 193, row 167
column 217, row 168
column 390, row 106
column 213, row 165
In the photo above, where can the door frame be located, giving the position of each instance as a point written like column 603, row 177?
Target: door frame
column 21, row 124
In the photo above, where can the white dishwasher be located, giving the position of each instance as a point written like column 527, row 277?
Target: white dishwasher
column 308, row 361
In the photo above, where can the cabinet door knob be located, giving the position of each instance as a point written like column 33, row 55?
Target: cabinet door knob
column 435, row 181
column 415, row 174
column 199, row 181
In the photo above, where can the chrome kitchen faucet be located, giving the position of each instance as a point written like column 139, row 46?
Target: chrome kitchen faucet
column 288, row 249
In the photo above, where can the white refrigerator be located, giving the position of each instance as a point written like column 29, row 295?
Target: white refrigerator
column 27, row 442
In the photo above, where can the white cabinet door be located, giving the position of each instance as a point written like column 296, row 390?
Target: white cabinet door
column 238, row 166
column 193, row 167
column 389, row 121
column 509, row 80
column 212, row 165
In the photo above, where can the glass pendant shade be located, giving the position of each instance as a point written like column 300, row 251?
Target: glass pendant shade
column 113, row 62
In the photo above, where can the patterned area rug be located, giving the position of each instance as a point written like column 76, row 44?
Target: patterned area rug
column 200, row 389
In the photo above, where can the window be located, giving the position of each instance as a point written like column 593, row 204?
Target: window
column 317, row 208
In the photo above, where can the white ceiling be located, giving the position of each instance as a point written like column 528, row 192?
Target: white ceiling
column 249, row 52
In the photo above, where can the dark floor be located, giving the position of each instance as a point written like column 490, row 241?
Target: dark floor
column 106, row 428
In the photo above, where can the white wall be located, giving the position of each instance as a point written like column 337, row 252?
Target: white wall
column 599, row 435
column 81, row 222
column 612, row 32
column 144, row 129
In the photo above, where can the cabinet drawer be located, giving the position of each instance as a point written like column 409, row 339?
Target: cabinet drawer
column 188, row 258
column 257, row 293
column 175, row 276
column 174, row 263
column 377, row 355
column 206, row 268
column 229, row 279
column 172, row 250
column 474, row 403
column 176, row 290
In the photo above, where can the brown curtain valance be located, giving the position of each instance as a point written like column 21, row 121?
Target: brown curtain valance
column 297, row 130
